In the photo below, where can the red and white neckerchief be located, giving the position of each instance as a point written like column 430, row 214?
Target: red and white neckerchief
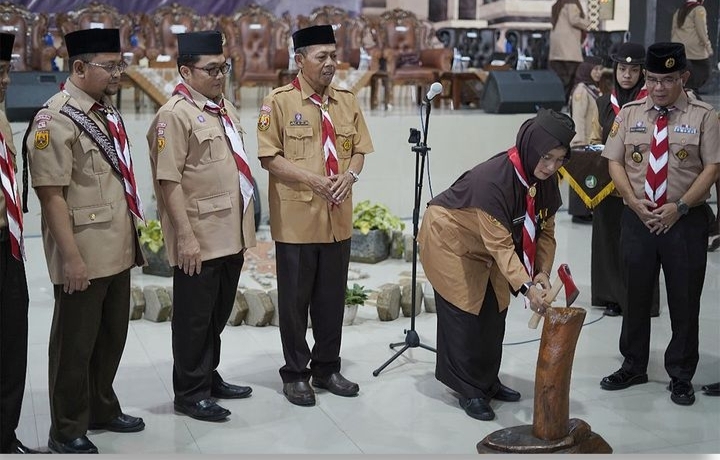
column 656, row 176
column 328, row 133
column 614, row 102
column 529, row 241
column 122, row 147
column 12, row 201
column 236, row 145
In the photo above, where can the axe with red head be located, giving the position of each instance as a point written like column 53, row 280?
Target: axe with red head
column 563, row 278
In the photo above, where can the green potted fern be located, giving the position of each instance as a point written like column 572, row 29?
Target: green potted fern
column 354, row 297
column 151, row 238
column 373, row 225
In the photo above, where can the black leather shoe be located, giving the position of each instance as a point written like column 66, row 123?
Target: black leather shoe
column 477, row 408
column 18, row 448
column 506, row 394
column 681, row 392
column 224, row 390
column 123, row 423
column 612, row 309
column 712, row 390
column 621, row 379
column 336, row 384
column 81, row 445
column 299, row 393
column 206, row 410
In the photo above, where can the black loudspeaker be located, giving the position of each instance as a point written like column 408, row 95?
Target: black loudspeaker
column 520, row 91
column 28, row 91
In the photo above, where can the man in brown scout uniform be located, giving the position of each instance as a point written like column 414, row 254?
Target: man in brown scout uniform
column 663, row 159
column 13, row 284
column 312, row 138
column 204, row 190
column 83, row 175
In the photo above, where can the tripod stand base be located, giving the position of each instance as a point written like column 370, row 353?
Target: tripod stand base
column 412, row 340
column 520, row 440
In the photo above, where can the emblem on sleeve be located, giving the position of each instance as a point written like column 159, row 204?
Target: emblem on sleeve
column 614, row 129
column 42, row 139
column 264, row 121
column 161, row 143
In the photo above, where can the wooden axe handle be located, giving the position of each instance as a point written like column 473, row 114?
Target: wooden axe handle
column 556, row 287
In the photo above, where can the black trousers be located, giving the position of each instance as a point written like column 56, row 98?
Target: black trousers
column 681, row 253
column 202, row 304
column 87, row 340
column 13, row 340
column 565, row 70
column 699, row 73
column 314, row 277
column 469, row 347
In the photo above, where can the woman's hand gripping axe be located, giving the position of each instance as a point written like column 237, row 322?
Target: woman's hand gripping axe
column 563, row 278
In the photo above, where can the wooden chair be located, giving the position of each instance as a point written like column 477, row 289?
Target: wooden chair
column 30, row 50
column 166, row 22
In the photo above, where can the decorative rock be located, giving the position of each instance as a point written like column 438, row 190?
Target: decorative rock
column 429, row 299
column 370, row 248
column 275, row 321
column 157, row 304
column 239, row 311
column 406, row 297
column 408, row 248
column 397, row 245
column 349, row 314
column 137, row 303
column 260, row 308
column 388, row 302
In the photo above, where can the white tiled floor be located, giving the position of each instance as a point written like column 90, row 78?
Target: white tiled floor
column 404, row 409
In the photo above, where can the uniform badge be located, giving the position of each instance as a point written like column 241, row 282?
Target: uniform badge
column 263, row 121
column 637, row 157
column 591, row 181
column 201, row 119
column 532, row 191
column 42, row 139
column 347, row 144
column 682, row 154
column 669, row 63
column 161, row 143
column 638, row 128
column 614, row 129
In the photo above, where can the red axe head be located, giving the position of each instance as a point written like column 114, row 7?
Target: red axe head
column 571, row 291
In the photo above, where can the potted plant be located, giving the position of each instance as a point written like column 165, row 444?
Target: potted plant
column 354, row 297
column 373, row 225
column 151, row 239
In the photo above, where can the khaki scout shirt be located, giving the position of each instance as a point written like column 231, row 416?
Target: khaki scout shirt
column 290, row 125
column 8, row 136
column 585, row 115
column 693, row 34
column 566, row 36
column 693, row 135
column 188, row 146
column 461, row 249
column 62, row 155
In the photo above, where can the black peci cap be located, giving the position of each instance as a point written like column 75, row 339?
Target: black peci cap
column 629, row 53
column 666, row 57
column 313, row 35
column 92, row 41
column 204, row 43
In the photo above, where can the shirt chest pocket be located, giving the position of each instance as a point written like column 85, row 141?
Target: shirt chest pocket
column 344, row 140
column 637, row 142
column 91, row 160
column 212, row 144
column 685, row 147
column 299, row 142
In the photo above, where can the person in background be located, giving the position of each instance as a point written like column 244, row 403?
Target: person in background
column 689, row 27
column 204, row 190
column 82, row 172
column 312, row 139
column 607, row 286
column 663, row 159
column 583, row 110
column 14, row 300
column 492, row 233
column 569, row 26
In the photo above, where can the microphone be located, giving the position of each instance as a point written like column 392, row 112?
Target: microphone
column 435, row 89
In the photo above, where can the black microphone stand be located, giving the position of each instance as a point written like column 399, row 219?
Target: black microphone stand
column 412, row 340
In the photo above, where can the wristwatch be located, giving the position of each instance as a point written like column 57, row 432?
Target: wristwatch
column 525, row 288
column 682, row 207
column 355, row 175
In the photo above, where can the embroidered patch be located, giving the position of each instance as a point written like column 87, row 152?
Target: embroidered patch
column 42, row 139
column 161, row 125
column 42, row 125
column 682, row 154
column 161, row 143
column 347, row 144
column 201, row 119
column 43, row 116
column 266, row 108
column 614, row 129
column 264, row 121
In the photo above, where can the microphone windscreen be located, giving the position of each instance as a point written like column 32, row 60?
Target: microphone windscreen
column 435, row 89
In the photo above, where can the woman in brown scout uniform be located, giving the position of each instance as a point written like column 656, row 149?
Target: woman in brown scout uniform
column 568, row 32
column 490, row 233
column 689, row 27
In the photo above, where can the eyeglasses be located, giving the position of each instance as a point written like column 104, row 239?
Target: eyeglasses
column 110, row 68
column 666, row 82
column 215, row 70
column 549, row 159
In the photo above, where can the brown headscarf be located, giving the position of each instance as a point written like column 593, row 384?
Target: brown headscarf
column 558, row 6
column 494, row 187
